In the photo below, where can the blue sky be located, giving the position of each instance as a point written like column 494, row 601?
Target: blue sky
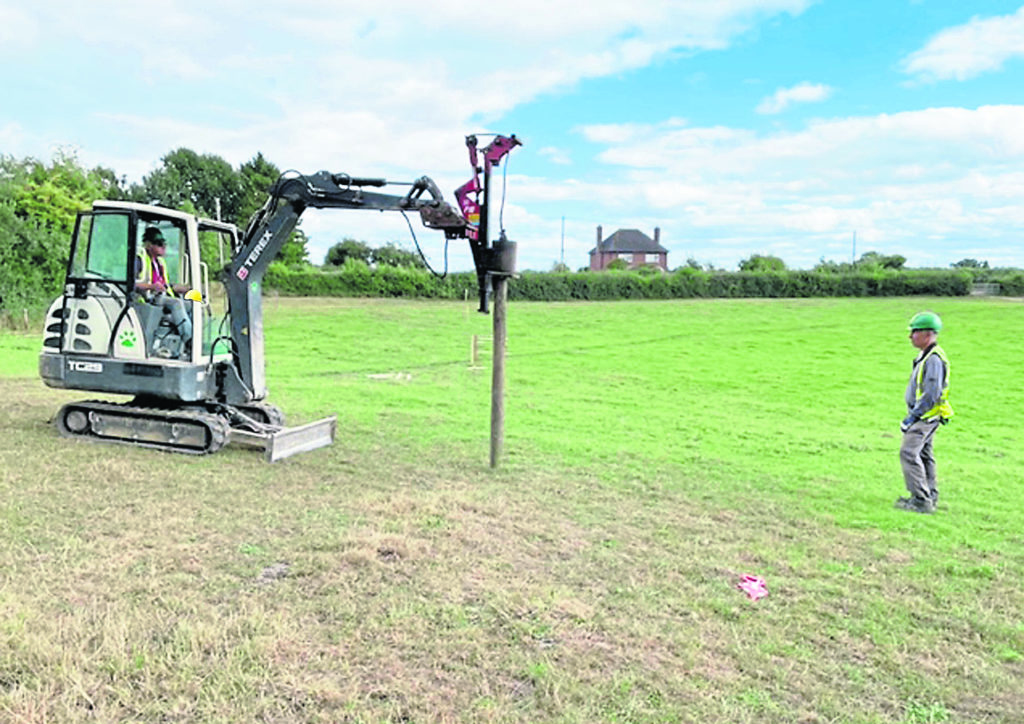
column 785, row 127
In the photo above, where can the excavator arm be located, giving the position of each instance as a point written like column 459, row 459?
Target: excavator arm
column 271, row 227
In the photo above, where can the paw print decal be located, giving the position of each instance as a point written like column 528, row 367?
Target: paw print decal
column 127, row 338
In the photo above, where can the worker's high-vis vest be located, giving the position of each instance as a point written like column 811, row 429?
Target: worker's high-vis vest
column 942, row 410
column 147, row 272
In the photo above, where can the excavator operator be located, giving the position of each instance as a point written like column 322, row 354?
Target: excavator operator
column 155, row 286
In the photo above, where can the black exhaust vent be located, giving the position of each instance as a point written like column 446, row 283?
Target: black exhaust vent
column 143, row 370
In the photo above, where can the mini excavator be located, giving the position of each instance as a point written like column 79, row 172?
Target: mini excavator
column 197, row 393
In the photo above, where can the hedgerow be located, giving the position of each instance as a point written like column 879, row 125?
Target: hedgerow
column 357, row 279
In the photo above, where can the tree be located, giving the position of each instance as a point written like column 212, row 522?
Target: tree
column 874, row 260
column 694, row 266
column 970, row 264
column 38, row 204
column 833, row 267
column 762, row 263
column 206, row 181
column 257, row 175
column 296, row 250
column 394, row 255
column 207, row 185
column 348, row 248
column 32, row 260
column 52, row 195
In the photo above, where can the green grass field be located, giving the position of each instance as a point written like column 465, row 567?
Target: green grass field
column 654, row 452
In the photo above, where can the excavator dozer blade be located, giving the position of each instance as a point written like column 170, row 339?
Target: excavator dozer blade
column 289, row 441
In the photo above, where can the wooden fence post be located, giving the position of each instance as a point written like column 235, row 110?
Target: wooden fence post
column 500, row 285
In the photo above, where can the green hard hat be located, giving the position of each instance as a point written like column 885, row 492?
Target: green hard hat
column 926, row 320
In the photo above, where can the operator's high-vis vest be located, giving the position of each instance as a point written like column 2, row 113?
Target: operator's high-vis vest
column 147, row 272
column 942, row 410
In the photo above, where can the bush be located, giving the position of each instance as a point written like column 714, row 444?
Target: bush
column 34, row 259
column 1010, row 281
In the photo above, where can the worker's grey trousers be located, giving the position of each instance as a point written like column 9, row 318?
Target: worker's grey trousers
column 917, row 459
column 179, row 317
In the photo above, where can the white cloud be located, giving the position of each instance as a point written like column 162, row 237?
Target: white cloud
column 942, row 176
column 800, row 93
column 613, row 132
column 442, row 62
column 965, row 51
column 17, row 29
column 988, row 134
column 390, row 89
column 556, row 155
column 11, row 137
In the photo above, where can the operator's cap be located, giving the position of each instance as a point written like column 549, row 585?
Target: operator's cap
column 926, row 320
column 152, row 235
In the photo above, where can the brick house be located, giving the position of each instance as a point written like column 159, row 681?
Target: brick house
column 632, row 246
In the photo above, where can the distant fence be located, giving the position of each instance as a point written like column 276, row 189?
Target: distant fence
column 985, row 290
column 15, row 321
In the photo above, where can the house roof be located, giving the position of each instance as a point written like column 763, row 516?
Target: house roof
column 630, row 240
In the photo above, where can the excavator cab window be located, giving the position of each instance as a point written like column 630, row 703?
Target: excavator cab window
column 176, row 251
column 101, row 247
column 216, row 246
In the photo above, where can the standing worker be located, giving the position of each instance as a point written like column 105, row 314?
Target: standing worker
column 928, row 407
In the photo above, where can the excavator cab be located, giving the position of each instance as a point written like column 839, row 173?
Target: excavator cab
column 106, row 333
column 103, row 315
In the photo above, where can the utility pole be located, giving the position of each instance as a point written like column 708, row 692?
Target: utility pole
column 562, row 258
column 853, row 254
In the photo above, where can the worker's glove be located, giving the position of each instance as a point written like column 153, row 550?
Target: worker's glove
column 907, row 422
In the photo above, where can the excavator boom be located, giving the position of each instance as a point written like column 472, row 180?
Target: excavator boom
column 270, row 228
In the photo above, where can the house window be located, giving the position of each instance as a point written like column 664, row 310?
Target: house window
column 653, row 258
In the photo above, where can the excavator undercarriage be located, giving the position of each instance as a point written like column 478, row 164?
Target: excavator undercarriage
column 196, row 429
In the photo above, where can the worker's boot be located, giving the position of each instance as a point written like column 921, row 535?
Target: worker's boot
column 916, row 505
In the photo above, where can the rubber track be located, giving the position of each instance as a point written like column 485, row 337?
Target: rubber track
column 264, row 412
column 215, row 437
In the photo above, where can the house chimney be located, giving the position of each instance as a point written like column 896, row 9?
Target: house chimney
column 657, row 234
column 599, row 237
